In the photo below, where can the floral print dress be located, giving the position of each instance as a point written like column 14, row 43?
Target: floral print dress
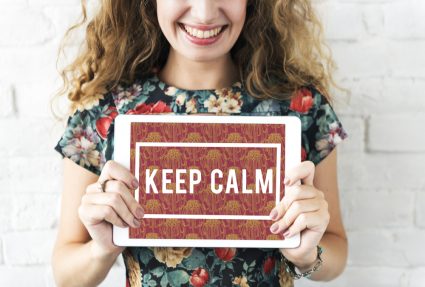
column 88, row 140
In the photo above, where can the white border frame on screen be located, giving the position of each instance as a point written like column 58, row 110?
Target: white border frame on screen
column 292, row 157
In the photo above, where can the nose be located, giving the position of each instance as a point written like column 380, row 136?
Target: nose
column 206, row 11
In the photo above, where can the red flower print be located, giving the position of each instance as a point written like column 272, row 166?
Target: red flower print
column 112, row 112
column 139, row 109
column 225, row 254
column 102, row 126
column 199, row 277
column 303, row 154
column 302, row 101
column 103, row 123
column 268, row 265
column 158, row 107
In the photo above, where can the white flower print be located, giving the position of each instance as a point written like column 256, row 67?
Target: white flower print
column 223, row 92
column 225, row 103
column 170, row 91
column 212, row 104
column 322, row 144
column 266, row 106
column 171, row 256
column 231, row 106
column 191, row 106
column 181, row 98
column 326, row 144
column 334, row 133
column 82, row 147
column 126, row 95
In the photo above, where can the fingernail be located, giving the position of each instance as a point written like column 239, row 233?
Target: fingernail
column 274, row 227
column 139, row 212
column 286, row 181
column 287, row 233
column 135, row 184
column 136, row 222
column 273, row 214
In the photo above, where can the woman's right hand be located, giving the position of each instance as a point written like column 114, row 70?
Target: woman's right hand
column 116, row 206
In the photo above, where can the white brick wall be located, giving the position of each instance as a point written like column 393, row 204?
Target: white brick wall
column 378, row 46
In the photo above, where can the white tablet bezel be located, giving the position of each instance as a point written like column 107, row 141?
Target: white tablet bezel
column 122, row 156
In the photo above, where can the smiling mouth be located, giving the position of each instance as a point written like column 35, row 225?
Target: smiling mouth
column 202, row 34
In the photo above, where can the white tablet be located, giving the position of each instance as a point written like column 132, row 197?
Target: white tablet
column 207, row 180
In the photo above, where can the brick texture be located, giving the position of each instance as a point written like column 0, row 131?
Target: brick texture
column 378, row 47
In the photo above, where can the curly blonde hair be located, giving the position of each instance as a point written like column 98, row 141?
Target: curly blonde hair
column 280, row 49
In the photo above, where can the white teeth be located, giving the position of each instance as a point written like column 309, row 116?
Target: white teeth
column 202, row 34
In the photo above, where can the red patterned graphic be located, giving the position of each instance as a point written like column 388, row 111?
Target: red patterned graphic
column 236, row 163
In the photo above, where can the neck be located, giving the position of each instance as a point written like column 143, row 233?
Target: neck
column 186, row 74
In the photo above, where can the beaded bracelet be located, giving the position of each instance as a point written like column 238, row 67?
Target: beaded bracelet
column 290, row 267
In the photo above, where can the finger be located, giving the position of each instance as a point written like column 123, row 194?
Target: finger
column 114, row 170
column 297, row 208
column 115, row 201
column 128, row 198
column 304, row 172
column 94, row 187
column 94, row 214
column 292, row 193
column 120, row 188
column 310, row 220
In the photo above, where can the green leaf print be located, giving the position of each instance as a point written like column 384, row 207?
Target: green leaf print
column 252, row 266
column 161, row 85
column 147, row 280
column 229, row 265
column 196, row 259
column 213, row 280
column 178, row 277
column 326, row 119
column 330, row 114
column 158, row 271
column 306, row 122
column 164, row 281
column 147, row 88
column 317, row 99
column 316, row 158
column 145, row 256
column 306, row 143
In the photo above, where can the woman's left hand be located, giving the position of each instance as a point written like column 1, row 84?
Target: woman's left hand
column 304, row 210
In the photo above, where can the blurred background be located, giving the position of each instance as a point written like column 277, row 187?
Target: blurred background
column 379, row 48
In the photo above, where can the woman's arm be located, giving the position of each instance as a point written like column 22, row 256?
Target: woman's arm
column 311, row 206
column 76, row 259
column 334, row 240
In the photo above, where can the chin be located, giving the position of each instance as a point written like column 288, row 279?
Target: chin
column 204, row 56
